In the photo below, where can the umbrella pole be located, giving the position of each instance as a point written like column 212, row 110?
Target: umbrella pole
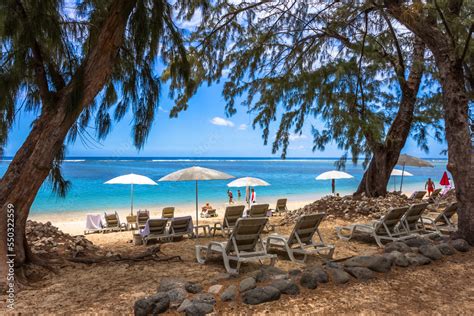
column 401, row 181
column 333, row 185
column 131, row 199
column 197, row 215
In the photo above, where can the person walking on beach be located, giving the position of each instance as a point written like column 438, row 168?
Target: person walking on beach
column 253, row 196
column 430, row 186
column 231, row 196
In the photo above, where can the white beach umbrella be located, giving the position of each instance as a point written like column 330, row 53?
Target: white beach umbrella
column 397, row 173
column 407, row 160
column 333, row 175
column 196, row 174
column 247, row 182
column 131, row 179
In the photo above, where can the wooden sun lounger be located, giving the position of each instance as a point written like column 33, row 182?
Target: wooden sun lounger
column 142, row 218
column 300, row 240
column 231, row 215
column 412, row 223
column 157, row 230
column 442, row 222
column 167, row 212
column 244, row 245
column 384, row 229
column 112, row 222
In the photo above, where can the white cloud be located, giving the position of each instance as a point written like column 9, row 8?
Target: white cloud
column 300, row 147
column 294, row 137
column 221, row 122
column 242, row 127
column 162, row 109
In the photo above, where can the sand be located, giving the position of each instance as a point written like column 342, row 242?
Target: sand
column 74, row 222
column 443, row 287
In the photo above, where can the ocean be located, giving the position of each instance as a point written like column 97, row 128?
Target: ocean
column 293, row 178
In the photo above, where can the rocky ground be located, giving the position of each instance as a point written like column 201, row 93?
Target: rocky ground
column 359, row 208
column 419, row 276
column 47, row 240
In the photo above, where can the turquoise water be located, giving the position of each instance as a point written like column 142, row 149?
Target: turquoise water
column 288, row 178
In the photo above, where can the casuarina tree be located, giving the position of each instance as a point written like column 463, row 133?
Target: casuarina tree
column 349, row 66
column 446, row 28
column 75, row 65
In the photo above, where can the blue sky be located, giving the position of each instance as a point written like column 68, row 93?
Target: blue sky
column 201, row 131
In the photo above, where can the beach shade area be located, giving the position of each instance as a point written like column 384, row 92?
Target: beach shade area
column 247, row 182
column 398, row 173
column 407, row 160
column 132, row 179
column 333, row 175
column 196, row 174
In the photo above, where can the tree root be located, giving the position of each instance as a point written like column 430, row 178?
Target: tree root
column 150, row 254
column 37, row 260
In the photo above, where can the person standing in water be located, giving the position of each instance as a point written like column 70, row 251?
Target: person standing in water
column 430, row 186
column 231, row 196
column 239, row 195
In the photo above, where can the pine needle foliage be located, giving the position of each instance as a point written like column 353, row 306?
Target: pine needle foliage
column 292, row 62
column 44, row 46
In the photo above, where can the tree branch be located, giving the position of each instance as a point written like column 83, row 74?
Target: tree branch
column 466, row 45
column 401, row 63
column 445, row 23
column 40, row 72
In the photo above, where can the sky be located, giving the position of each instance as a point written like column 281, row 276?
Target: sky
column 201, row 131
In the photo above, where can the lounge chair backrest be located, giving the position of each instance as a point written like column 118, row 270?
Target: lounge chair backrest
column 181, row 225
column 246, row 235
column 281, row 204
column 388, row 223
column 157, row 226
column 232, row 214
column 258, row 210
column 446, row 215
column 418, row 195
column 305, row 228
column 168, row 212
column 413, row 216
column 142, row 217
column 435, row 193
column 112, row 220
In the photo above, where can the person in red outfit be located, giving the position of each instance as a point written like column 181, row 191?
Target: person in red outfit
column 430, row 186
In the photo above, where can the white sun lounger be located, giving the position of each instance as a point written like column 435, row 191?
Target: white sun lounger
column 387, row 228
column 261, row 210
column 155, row 229
column 280, row 207
column 443, row 221
column 300, row 240
column 412, row 222
column 231, row 215
column 244, row 245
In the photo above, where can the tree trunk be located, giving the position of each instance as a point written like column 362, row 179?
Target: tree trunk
column 32, row 162
column 385, row 155
column 455, row 108
column 460, row 147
